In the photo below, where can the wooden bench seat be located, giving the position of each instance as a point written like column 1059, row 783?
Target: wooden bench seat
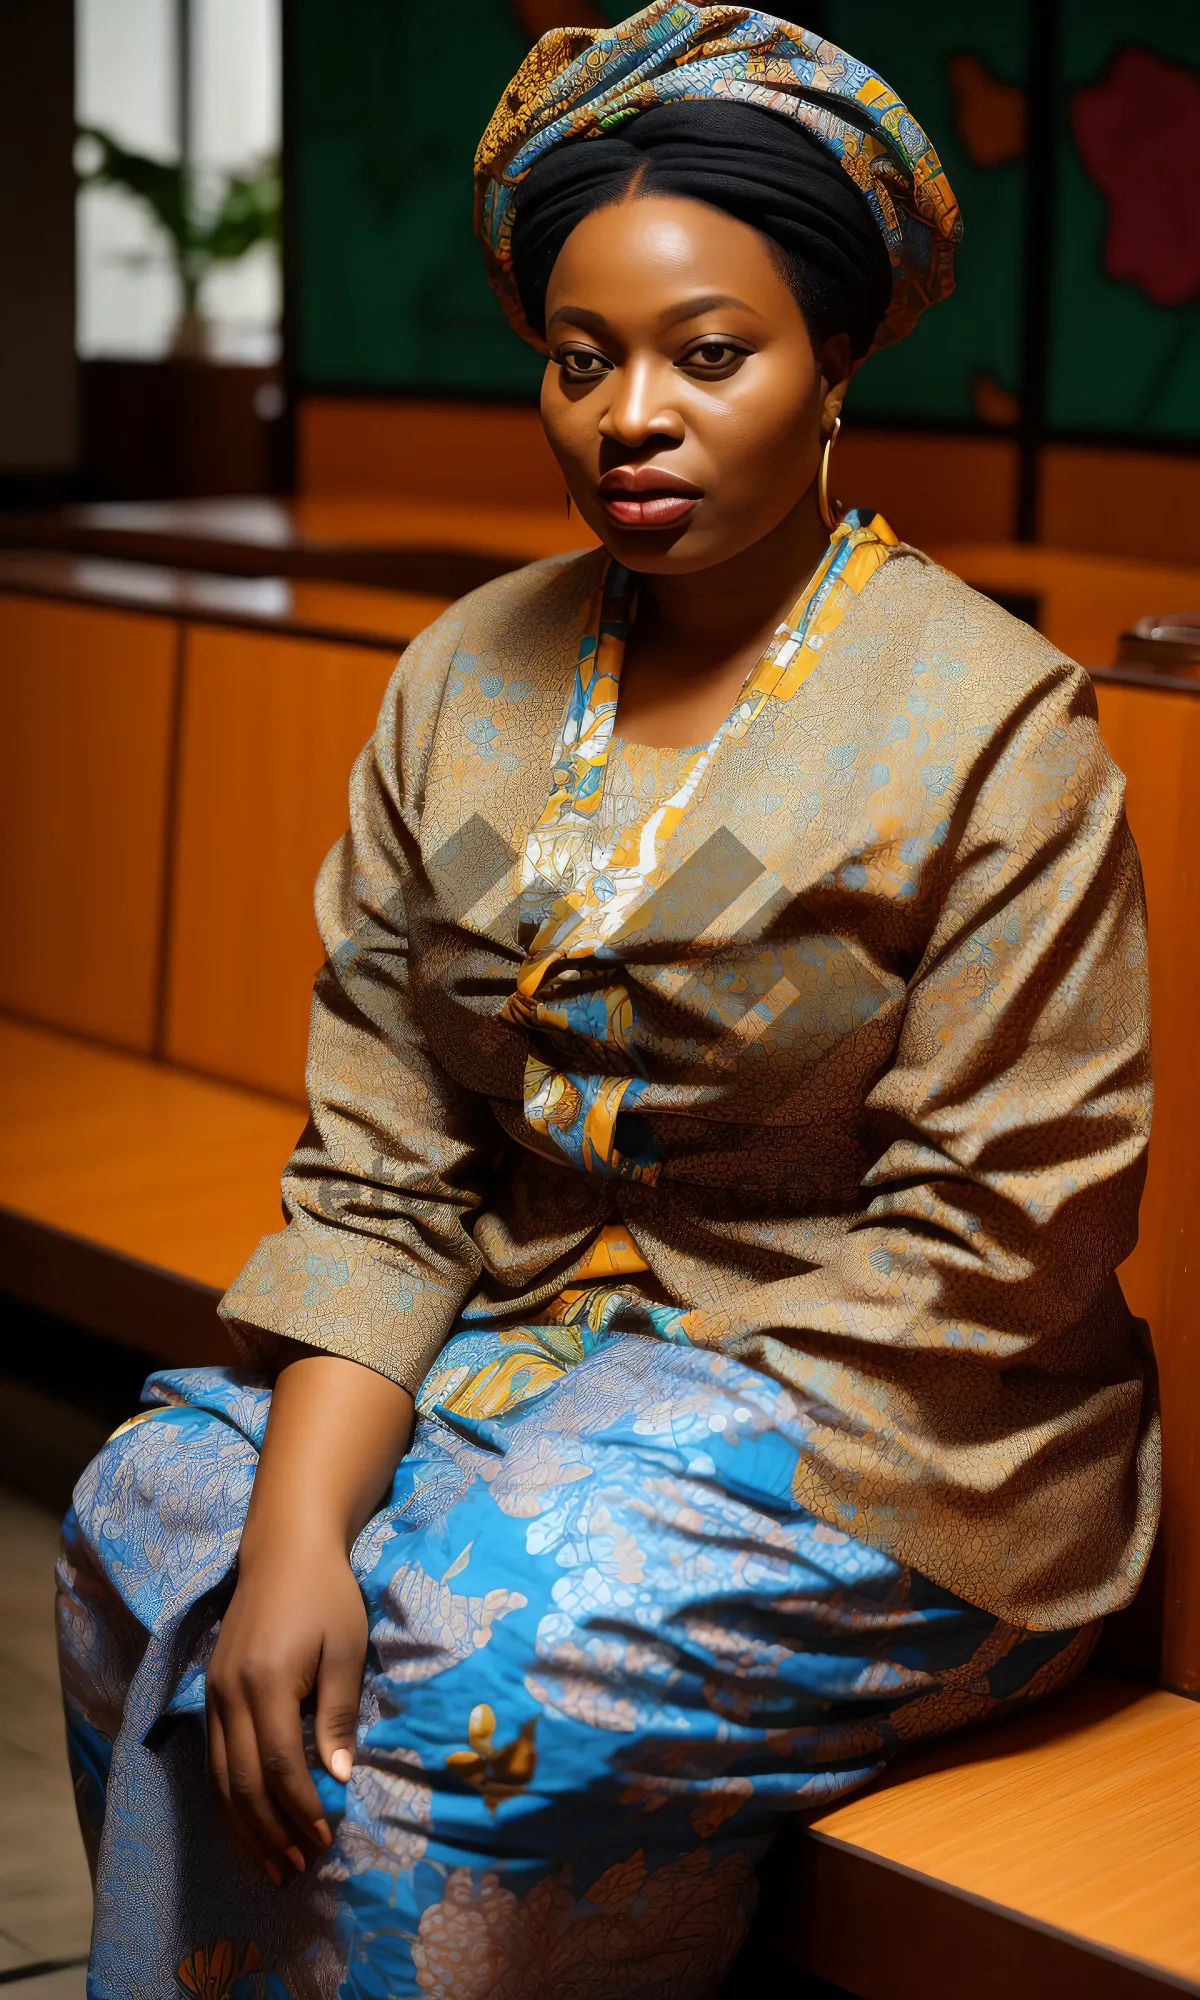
column 1055, row 1855
column 130, row 1192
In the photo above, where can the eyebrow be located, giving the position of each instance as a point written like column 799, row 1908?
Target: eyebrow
column 690, row 309
column 710, row 302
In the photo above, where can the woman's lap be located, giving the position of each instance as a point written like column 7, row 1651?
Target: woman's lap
column 608, row 1651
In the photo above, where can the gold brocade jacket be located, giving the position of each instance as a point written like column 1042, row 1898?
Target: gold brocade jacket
column 859, row 1063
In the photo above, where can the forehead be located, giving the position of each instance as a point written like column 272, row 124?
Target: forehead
column 641, row 254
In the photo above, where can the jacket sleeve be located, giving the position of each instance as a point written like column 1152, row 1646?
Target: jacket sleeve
column 1008, row 1136
column 377, row 1257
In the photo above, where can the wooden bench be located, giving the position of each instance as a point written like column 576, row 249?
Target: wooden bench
column 1051, row 1857
column 176, row 760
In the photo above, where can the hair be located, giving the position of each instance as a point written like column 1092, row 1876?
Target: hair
column 761, row 168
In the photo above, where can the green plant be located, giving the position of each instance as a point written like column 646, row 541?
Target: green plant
column 201, row 232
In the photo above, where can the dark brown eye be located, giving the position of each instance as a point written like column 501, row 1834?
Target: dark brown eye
column 715, row 356
column 582, row 364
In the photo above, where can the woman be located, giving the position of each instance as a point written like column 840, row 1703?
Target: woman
column 729, row 1099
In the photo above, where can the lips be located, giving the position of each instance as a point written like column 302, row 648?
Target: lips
column 647, row 496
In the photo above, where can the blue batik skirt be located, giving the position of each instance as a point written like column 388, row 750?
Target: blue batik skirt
column 609, row 1656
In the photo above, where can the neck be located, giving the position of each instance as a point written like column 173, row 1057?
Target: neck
column 717, row 611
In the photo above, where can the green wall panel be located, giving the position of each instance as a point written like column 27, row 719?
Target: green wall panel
column 387, row 101
column 973, row 338
column 390, row 286
column 1119, row 360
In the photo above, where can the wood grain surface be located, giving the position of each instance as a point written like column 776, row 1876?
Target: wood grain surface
column 1154, row 737
column 438, row 547
column 1087, row 601
column 86, row 700
column 175, row 1171
column 880, row 1933
column 1083, row 1817
column 297, row 607
column 1121, row 502
column 271, row 728
column 496, row 462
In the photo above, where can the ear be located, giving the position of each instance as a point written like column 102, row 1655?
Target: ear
column 834, row 362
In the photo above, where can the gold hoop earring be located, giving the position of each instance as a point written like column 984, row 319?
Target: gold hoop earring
column 830, row 515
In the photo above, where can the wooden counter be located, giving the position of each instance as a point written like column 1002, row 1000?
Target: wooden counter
column 437, row 549
column 299, row 608
column 427, row 546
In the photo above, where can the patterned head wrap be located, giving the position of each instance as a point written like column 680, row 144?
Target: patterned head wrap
column 585, row 83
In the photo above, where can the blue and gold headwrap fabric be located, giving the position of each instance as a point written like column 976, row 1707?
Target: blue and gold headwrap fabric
column 588, row 83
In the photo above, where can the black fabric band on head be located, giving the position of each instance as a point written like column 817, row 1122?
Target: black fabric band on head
column 765, row 170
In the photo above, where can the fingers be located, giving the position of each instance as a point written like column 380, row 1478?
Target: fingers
column 262, row 1779
column 263, row 1827
column 339, row 1694
column 218, row 1771
column 288, row 1779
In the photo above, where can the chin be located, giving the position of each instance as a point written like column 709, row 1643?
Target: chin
column 678, row 552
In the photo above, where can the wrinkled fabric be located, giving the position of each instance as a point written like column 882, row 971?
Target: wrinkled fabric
column 841, row 1038
column 609, row 1653
column 583, row 84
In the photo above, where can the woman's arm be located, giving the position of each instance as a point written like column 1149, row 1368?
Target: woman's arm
column 970, row 1369
column 352, row 1300
column 297, row 1623
column 392, row 1168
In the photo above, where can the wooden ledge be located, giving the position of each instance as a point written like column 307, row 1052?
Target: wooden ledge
column 431, row 547
column 1056, row 1854
column 344, row 613
column 131, row 1193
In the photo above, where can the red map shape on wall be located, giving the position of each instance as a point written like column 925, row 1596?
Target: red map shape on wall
column 1138, row 135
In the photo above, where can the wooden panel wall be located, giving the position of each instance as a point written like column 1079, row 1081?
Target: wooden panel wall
column 495, row 455
column 1155, row 738
column 86, row 708
column 473, row 454
column 1085, row 602
column 271, row 728
column 1125, row 503
column 930, row 488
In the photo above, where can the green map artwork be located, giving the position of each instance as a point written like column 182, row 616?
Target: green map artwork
column 387, row 99
column 961, row 69
column 1126, row 305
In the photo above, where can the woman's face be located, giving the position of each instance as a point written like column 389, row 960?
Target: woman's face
column 682, row 398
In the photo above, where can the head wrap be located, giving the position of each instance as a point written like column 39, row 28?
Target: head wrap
column 587, row 83
column 766, row 170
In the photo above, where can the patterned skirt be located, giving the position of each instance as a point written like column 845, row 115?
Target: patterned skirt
column 609, row 1654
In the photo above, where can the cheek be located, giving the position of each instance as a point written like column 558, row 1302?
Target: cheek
column 763, row 435
column 570, row 421
column 554, row 409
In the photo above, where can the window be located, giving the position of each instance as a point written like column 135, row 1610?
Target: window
column 165, row 78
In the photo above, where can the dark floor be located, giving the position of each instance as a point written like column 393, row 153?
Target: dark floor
column 45, row 1897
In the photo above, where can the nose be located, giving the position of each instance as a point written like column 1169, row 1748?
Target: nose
column 640, row 408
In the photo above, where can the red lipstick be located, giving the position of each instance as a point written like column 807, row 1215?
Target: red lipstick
column 647, row 496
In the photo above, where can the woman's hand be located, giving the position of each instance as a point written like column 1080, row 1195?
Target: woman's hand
column 297, row 1624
